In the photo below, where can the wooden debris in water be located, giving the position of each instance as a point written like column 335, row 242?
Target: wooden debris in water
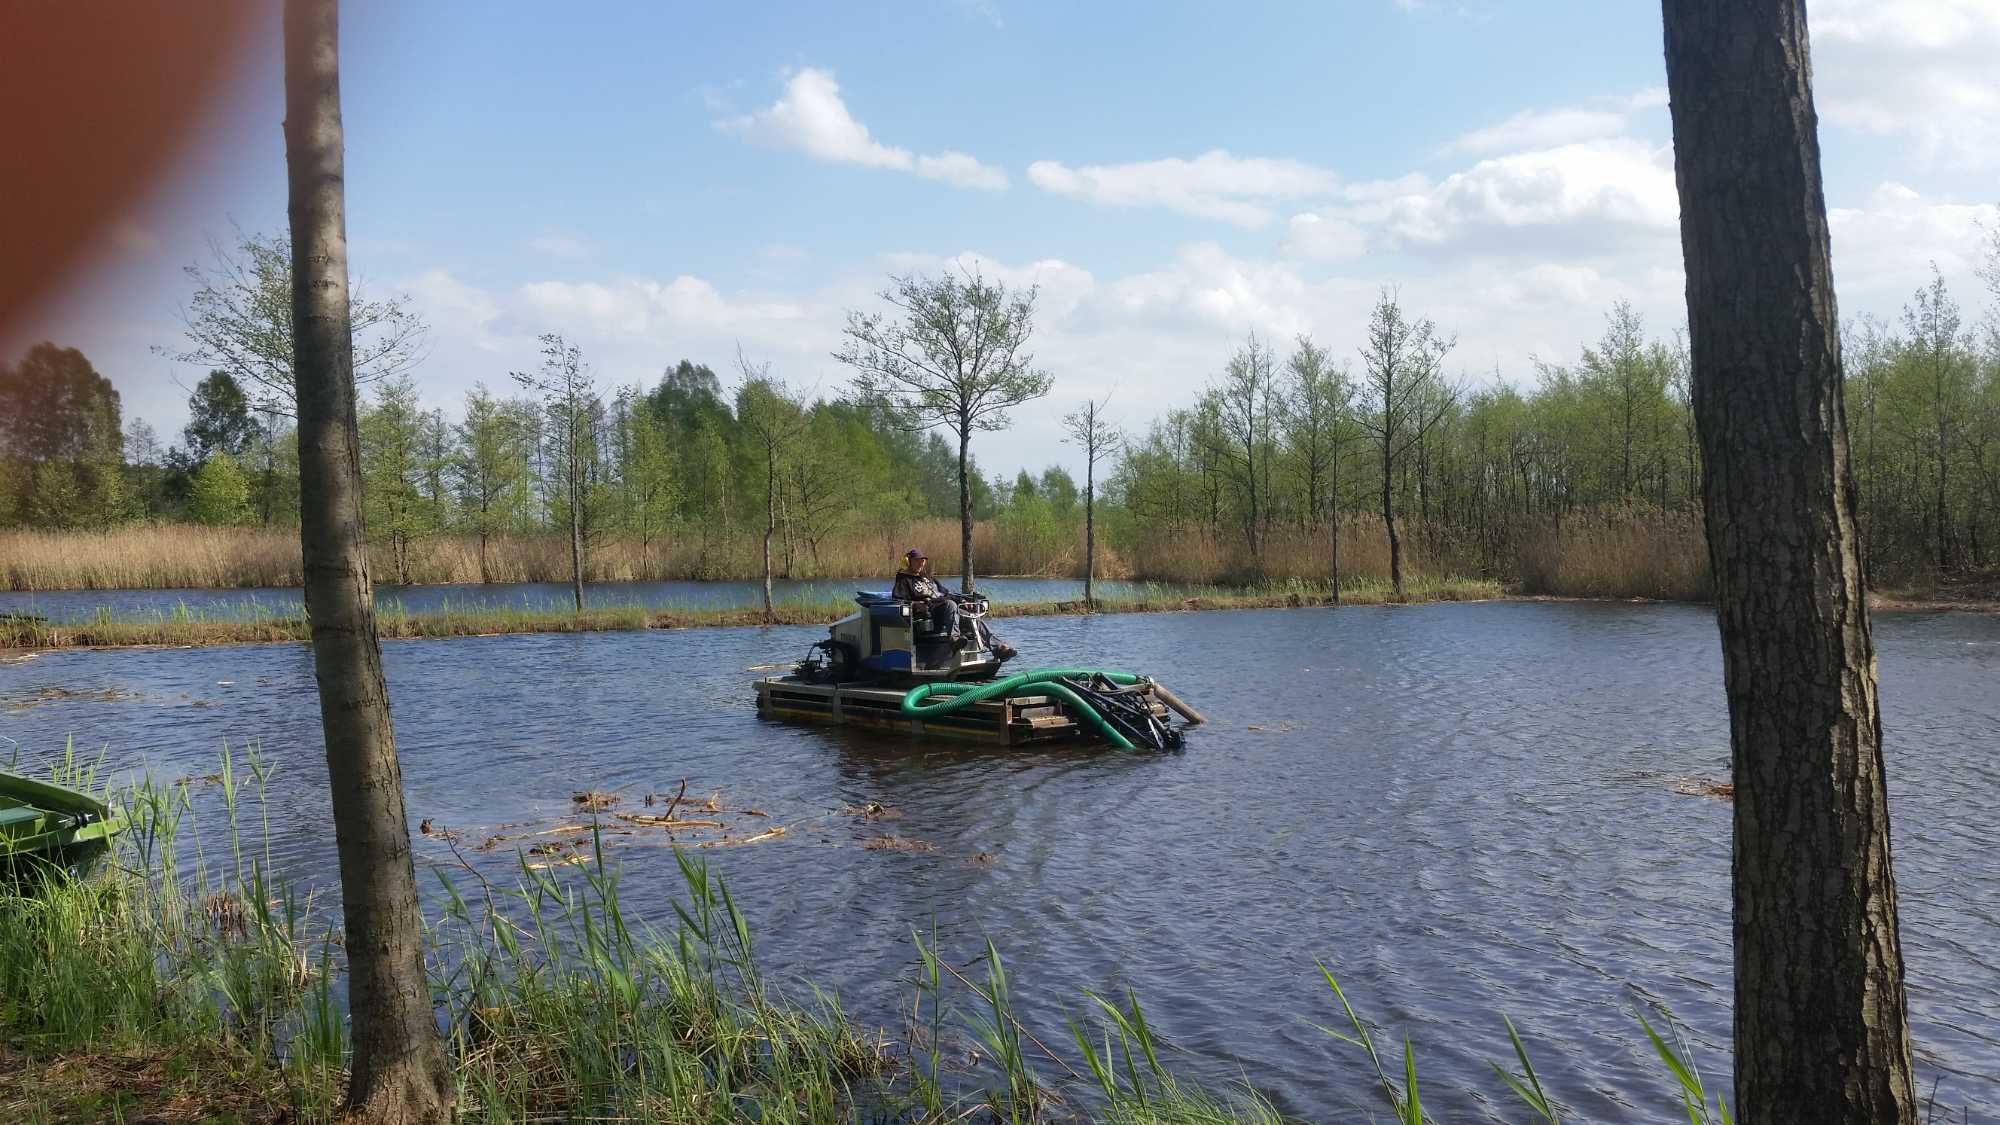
column 871, row 811
column 667, row 821
column 577, row 860
column 759, row 838
column 898, row 844
column 1704, row 787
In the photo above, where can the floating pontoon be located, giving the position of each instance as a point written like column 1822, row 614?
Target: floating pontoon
column 883, row 668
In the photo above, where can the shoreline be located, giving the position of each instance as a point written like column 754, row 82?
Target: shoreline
column 29, row 636
column 20, row 635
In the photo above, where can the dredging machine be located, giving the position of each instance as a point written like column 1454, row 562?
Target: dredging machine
column 885, row 666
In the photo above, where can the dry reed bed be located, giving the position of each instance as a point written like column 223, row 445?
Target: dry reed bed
column 186, row 556
column 1638, row 553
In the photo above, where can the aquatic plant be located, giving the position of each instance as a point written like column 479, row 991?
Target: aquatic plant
column 218, row 988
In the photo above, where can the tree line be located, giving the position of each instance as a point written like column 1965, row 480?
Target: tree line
column 1301, row 439
column 1311, row 441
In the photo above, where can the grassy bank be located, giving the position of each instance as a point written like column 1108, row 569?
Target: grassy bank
column 162, row 991
column 188, row 628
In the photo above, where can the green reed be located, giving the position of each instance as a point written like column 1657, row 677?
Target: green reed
column 559, row 1003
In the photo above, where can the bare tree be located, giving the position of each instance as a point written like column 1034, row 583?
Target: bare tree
column 1090, row 431
column 1405, row 394
column 1245, row 401
column 1822, row 1033
column 240, row 321
column 571, row 409
column 775, row 419
column 955, row 357
column 399, row 1072
column 1317, row 406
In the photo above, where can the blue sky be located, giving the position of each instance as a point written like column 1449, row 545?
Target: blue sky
column 658, row 181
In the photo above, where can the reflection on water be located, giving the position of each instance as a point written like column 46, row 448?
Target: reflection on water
column 1462, row 809
column 83, row 605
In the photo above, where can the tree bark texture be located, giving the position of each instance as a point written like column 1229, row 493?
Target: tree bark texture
column 965, row 505
column 1389, row 515
column 1820, row 1024
column 1090, row 527
column 770, row 523
column 398, row 1072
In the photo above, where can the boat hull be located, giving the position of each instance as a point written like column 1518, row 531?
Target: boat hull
column 1021, row 720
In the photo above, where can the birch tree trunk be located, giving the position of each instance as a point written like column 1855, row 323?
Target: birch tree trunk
column 398, row 1072
column 1821, row 1030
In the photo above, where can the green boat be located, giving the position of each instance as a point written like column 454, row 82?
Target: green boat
column 50, row 823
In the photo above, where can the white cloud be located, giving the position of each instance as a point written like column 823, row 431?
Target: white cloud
column 1159, row 333
column 1547, row 128
column 1922, row 69
column 1540, row 128
column 812, row 118
column 1882, row 250
column 1214, row 185
column 1598, row 196
column 960, row 170
column 1311, row 235
column 642, row 306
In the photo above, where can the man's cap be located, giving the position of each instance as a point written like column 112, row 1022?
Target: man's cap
column 913, row 553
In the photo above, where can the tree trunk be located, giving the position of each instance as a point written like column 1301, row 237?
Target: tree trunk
column 1333, row 522
column 1943, row 553
column 1820, row 1024
column 1090, row 530
column 485, row 571
column 1389, row 518
column 398, row 1072
column 576, row 549
column 770, row 526
column 964, row 505
column 1333, row 552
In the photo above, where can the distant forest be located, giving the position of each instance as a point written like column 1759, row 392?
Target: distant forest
column 1287, row 441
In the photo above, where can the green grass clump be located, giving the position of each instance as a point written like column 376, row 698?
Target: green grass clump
column 186, row 982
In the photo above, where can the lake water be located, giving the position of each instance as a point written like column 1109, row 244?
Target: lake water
column 273, row 601
column 1464, row 810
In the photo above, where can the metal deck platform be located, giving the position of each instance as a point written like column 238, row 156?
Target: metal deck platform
column 1019, row 721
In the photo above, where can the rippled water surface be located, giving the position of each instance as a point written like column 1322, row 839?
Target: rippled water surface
column 1464, row 810
column 271, row 601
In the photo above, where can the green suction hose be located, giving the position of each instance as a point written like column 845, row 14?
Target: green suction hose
column 917, row 702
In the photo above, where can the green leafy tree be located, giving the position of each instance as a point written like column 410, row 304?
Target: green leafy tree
column 60, row 427
column 219, row 418
column 220, row 493
column 239, row 321
column 773, row 417
column 393, row 470
column 954, row 354
column 1098, row 437
column 489, row 469
column 1405, row 396
column 1315, row 412
column 572, row 414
